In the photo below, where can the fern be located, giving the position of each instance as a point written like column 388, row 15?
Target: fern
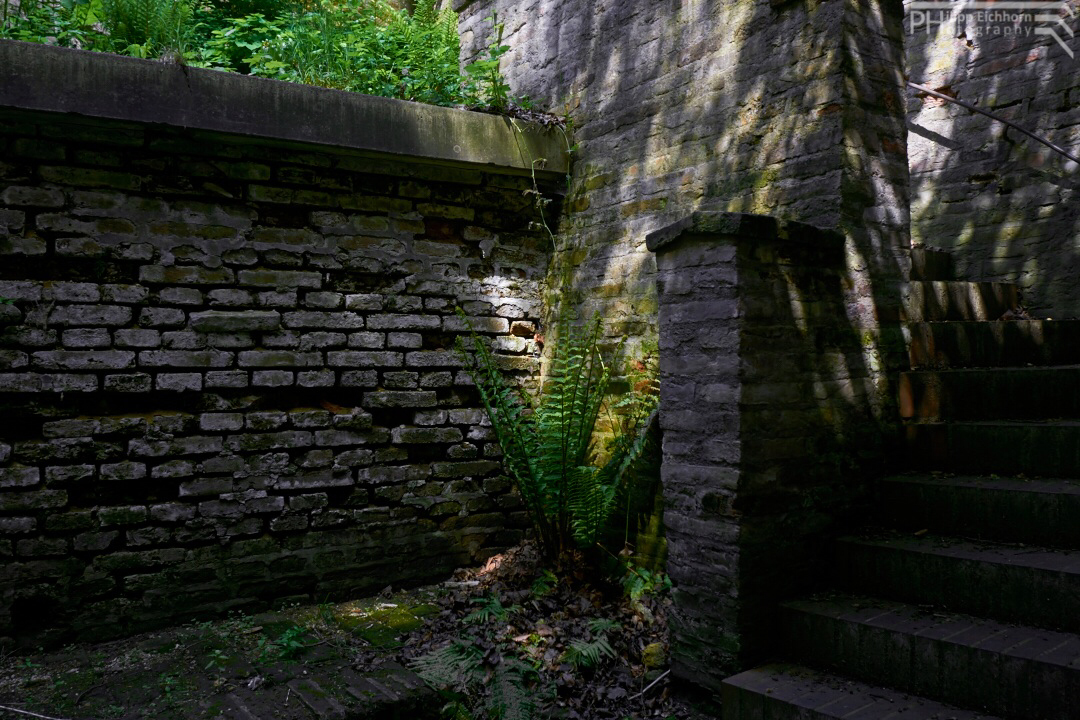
column 550, row 452
column 455, row 666
column 510, row 698
column 147, row 27
column 588, row 653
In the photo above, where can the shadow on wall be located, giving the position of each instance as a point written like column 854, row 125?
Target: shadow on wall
column 1004, row 205
column 736, row 106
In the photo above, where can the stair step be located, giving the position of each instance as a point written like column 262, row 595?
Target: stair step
column 931, row 264
column 1019, row 672
column 1048, row 449
column 993, row 344
column 993, row 393
column 793, row 692
column 939, row 300
column 1012, row 583
column 1042, row 512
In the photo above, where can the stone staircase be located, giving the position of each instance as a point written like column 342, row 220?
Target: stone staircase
column 967, row 604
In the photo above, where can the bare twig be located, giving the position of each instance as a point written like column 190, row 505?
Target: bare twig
column 31, row 714
column 650, row 685
column 87, row 691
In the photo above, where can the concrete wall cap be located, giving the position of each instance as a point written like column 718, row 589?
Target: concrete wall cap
column 100, row 85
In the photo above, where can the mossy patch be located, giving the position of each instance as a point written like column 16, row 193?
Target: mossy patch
column 382, row 623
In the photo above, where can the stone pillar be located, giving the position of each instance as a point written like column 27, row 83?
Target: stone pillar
column 764, row 414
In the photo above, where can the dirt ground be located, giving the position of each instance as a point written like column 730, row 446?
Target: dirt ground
column 579, row 650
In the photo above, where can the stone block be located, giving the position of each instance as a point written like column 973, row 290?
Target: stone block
column 222, row 321
column 401, row 399
column 329, row 477
column 83, row 359
column 221, row 422
column 179, row 382
column 341, row 320
column 95, row 541
column 368, row 302
column 129, row 294
column 316, row 378
column 33, row 500
column 280, row 279
column 171, row 512
column 272, row 378
column 360, row 378
column 278, row 358
column 156, row 317
column 180, row 296
column 404, row 322
column 185, row 275
column 86, row 338
column 269, row 441
column 405, row 435
column 227, row 379
column 126, row 515
column 123, row 471
column 90, row 315
column 17, row 525
column 19, row 477
column 172, row 470
column 434, row 358
column 372, row 340
column 63, row 474
column 129, row 383
column 363, row 359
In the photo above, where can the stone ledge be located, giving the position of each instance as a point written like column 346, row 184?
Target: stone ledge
column 742, row 225
column 100, row 85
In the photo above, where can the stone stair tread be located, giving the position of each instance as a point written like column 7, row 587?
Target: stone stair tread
column 1040, row 558
column 1065, row 486
column 946, row 300
column 964, row 393
column 993, row 344
column 1050, row 647
column 814, row 695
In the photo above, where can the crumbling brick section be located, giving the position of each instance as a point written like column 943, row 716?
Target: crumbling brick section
column 228, row 376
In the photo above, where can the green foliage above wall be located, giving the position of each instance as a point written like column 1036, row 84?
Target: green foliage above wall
column 368, row 46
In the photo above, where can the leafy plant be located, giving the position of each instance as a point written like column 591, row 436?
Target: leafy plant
column 286, row 647
column 491, row 608
column 147, row 28
column 588, row 653
column 462, row 668
column 548, row 445
column 486, row 84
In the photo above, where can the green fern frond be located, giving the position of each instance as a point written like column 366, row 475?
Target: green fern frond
column 602, row 625
column 588, row 653
column 454, row 666
column 510, row 698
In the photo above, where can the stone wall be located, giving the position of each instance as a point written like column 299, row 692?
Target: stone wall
column 227, row 369
column 793, row 110
column 1005, row 206
column 765, row 426
column 736, row 106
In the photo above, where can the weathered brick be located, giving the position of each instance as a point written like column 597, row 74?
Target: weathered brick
column 367, row 340
column 33, row 500
column 90, row 315
column 126, row 515
column 400, row 398
column 360, row 378
column 19, row 477
column 42, row 547
column 404, row 340
column 280, row 278
column 434, row 358
column 272, row 378
column 320, row 479
column 173, row 469
column 130, row 383
column 185, row 358
column 325, row 300
column 236, row 321
column 95, row 541
column 266, row 420
column 404, row 322
column 191, row 445
column 324, row 320
column 171, row 512
column 79, row 427
column 72, row 292
column 137, row 338
column 227, row 379
column 230, row 297
column 179, row 382
column 180, row 296
column 269, row 441
column 454, row 323
column 221, row 422
column 61, row 474
column 86, row 338
column 132, row 294
column 25, row 290
column 16, row 525
column 279, row 358
column 319, row 340
column 315, row 378
column 185, row 275
column 367, row 302
column 69, row 383
column 162, row 317
column 405, row 435
column 123, row 471
column 84, row 359
column 361, row 358
column 13, row 359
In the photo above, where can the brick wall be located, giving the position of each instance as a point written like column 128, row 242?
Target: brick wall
column 1004, row 205
column 228, row 374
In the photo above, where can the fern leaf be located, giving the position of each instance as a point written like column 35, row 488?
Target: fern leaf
column 454, row 666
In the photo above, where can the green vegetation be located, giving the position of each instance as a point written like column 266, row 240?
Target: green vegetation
column 569, row 486
column 368, row 46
